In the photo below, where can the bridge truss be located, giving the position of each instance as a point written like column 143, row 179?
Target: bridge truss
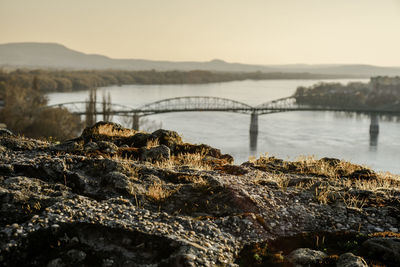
column 195, row 103
column 207, row 103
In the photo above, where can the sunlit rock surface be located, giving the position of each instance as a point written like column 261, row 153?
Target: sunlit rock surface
column 117, row 197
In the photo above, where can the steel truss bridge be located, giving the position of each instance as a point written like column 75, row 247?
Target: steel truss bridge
column 208, row 103
column 218, row 104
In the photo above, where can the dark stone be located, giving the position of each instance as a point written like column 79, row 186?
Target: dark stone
column 6, row 169
column 350, row 260
column 138, row 140
column 331, row 161
column 385, row 248
column 107, row 147
column 168, row 138
column 363, row 174
column 306, row 256
column 157, row 153
column 6, row 132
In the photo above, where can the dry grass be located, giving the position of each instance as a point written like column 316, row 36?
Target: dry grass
column 131, row 171
column 152, row 143
column 322, row 194
column 158, row 193
column 281, row 179
column 195, row 161
column 352, row 201
column 384, row 182
column 309, row 165
column 109, row 130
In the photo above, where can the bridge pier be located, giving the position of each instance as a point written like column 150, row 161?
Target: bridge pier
column 135, row 122
column 254, row 123
column 253, row 131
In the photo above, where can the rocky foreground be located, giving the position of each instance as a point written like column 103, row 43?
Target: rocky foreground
column 117, row 197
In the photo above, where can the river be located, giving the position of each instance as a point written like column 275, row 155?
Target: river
column 284, row 135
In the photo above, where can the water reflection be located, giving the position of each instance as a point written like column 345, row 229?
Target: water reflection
column 253, row 142
column 373, row 130
column 373, row 141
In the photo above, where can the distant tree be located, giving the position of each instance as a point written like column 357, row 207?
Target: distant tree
column 106, row 107
column 25, row 113
column 91, row 110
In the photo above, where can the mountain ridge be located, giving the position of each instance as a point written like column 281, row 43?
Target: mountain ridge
column 58, row 56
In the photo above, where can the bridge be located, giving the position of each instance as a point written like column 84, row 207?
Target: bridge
column 218, row 104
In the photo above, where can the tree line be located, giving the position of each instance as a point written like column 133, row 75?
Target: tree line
column 355, row 94
column 62, row 80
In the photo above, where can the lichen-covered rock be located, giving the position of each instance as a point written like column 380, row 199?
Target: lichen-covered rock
column 114, row 197
column 69, row 146
column 91, row 147
column 157, row 153
column 107, row 147
column 305, row 257
column 17, row 143
column 351, row 260
column 168, row 138
column 119, row 181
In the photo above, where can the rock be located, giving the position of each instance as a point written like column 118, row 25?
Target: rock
column 157, row 153
column 305, row 256
column 65, row 205
column 106, row 131
column 168, row 138
column 76, row 256
column 69, row 146
column 331, row 161
column 6, row 132
column 203, row 150
column 129, row 152
column 385, row 248
column 119, row 181
column 19, row 144
column 91, row 146
column 6, row 169
column 139, row 140
column 363, row 174
column 350, row 260
column 107, row 147
column 56, row 263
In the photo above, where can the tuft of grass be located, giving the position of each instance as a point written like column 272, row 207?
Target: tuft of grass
column 281, row 179
column 158, row 193
column 352, row 201
column 308, row 165
column 152, row 143
column 195, row 161
column 109, row 130
column 322, row 194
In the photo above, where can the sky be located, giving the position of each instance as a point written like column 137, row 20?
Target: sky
column 247, row 31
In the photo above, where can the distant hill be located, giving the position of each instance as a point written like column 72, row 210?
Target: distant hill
column 51, row 55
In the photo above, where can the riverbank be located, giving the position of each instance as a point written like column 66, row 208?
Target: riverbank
column 114, row 197
column 66, row 81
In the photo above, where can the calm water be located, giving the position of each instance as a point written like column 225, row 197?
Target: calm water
column 285, row 135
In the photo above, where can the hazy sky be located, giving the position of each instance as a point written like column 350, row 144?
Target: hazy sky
column 248, row 31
